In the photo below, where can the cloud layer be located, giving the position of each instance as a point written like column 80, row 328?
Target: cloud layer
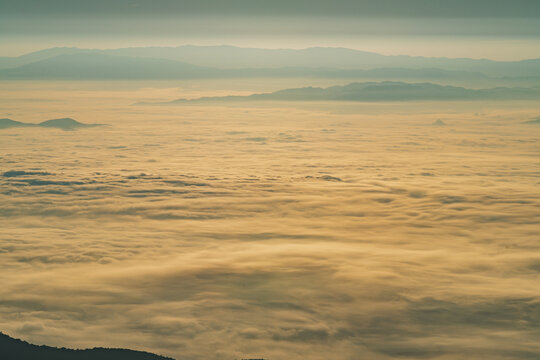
column 232, row 232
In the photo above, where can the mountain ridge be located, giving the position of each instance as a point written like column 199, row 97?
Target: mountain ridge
column 16, row 349
column 230, row 57
column 62, row 123
column 100, row 66
column 379, row 91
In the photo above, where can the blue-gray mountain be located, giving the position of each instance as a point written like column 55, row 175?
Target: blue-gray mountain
column 533, row 121
column 64, row 124
column 381, row 91
column 220, row 61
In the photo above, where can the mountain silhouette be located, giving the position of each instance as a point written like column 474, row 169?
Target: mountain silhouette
column 8, row 123
column 381, row 91
column 533, row 121
column 64, row 124
column 15, row 349
column 218, row 61
column 91, row 65
column 438, row 122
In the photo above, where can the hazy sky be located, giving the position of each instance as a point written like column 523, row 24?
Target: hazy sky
column 360, row 8
column 493, row 29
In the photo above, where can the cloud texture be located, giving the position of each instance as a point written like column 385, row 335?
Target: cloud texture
column 330, row 231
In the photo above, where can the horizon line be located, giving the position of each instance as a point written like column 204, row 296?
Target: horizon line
column 264, row 48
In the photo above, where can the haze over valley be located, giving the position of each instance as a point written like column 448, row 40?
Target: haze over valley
column 258, row 201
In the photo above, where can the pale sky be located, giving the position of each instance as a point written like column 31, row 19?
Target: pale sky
column 503, row 30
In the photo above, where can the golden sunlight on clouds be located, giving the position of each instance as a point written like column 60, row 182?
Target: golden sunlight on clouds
column 211, row 232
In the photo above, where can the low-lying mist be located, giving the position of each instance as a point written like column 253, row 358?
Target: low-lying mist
column 300, row 231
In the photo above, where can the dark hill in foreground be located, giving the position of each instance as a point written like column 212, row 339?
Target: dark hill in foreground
column 15, row 349
column 64, row 124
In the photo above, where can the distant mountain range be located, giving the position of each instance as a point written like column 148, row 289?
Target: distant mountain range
column 15, row 349
column 380, row 91
column 187, row 62
column 64, row 124
column 106, row 67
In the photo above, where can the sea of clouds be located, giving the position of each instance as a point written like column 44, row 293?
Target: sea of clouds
column 275, row 232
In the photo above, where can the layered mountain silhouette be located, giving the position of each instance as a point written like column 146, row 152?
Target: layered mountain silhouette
column 185, row 62
column 381, row 91
column 107, row 67
column 15, row 349
column 64, row 124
